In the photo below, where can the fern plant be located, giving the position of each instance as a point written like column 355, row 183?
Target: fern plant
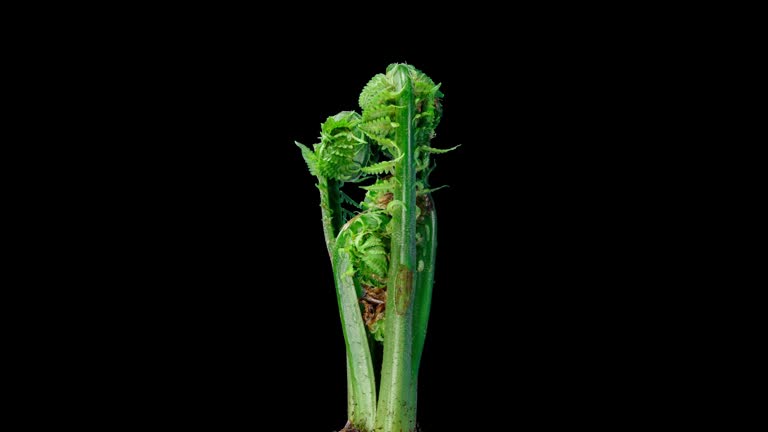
column 382, row 249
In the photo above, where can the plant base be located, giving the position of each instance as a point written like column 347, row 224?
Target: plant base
column 349, row 428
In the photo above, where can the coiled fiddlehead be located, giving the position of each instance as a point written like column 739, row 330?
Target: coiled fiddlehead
column 379, row 102
column 342, row 150
column 383, row 255
column 366, row 239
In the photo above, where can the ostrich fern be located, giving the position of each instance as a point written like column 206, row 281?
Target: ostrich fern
column 383, row 252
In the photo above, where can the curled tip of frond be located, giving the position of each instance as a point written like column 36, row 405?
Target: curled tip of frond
column 387, row 86
column 366, row 239
column 343, row 149
column 342, row 120
column 373, row 91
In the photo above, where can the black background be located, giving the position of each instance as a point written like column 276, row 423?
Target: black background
column 233, row 312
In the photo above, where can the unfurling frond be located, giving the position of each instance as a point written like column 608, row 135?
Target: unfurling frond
column 371, row 258
column 374, row 263
column 379, row 194
column 309, row 158
column 367, row 240
column 382, row 167
column 343, row 149
column 378, row 111
column 382, row 254
column 374, row 91
column 345, row 199
column 381, row 185
column 380, row 126
column 387, row 144
column 377, row 328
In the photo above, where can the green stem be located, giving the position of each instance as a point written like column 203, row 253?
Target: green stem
column 361, row 379
column 330, row 207
column 425, row 277
column 397, row 407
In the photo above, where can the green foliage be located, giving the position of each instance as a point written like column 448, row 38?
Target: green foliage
column 375, row 92
column 379, row 127
column 379, row 101
column 437, row 151
column 373, row 244
column 309, row 158
column 377, row 329
column 367, row 242
column 385, row 167
column 379, row 111
column 378, row 195
column 342, row 149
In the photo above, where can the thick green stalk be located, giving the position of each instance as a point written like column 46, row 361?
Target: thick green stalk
column 330, row 207
column 360, row 376
column 397, row 407
column 425, row 278
column 391, row 137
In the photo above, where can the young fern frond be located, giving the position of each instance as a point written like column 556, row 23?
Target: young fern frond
column 383, row 257
column 385, row 167
column 309, row 158
column 379, row 111
column 342, row 150
column 387, row 145
column 375, row 92
column 373, row 265
column 345, row 199
column 381, row 185
column 381, row 126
